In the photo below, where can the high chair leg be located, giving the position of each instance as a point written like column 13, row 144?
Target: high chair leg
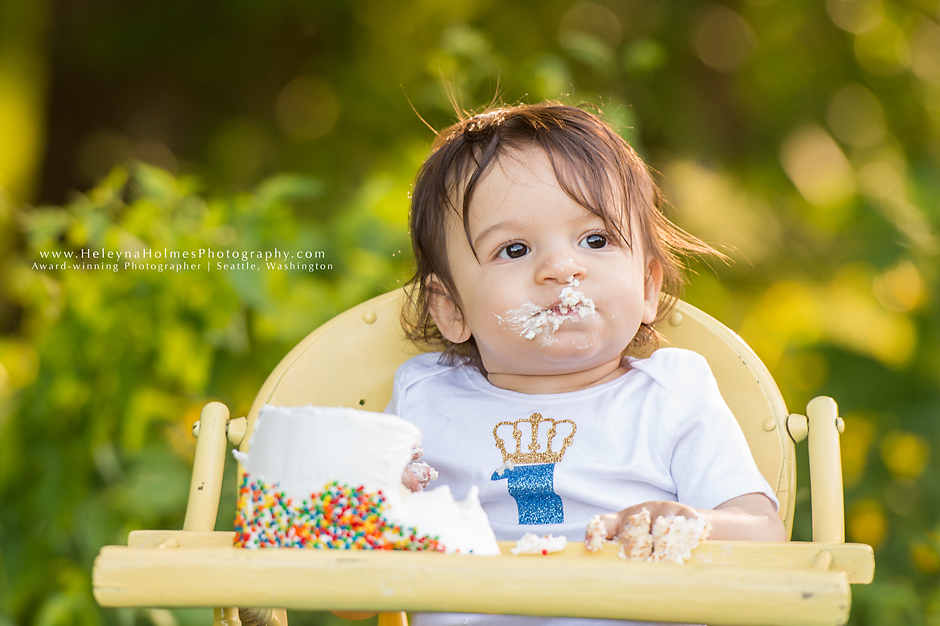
column 262, row 617
column 225, row 617
column 393, row 619
column 206, row 486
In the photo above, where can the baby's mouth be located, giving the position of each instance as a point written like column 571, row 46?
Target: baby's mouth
column 532, row 320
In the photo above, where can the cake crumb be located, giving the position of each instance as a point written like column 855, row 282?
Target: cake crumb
column 531, row 543
column 636, row 539
column 675, row 536
column 596, row 535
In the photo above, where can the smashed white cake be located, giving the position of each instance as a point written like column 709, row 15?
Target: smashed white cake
column 530, row 543
column 636, row 540
column 331, row 477
column 675, row 536
column 670, row 538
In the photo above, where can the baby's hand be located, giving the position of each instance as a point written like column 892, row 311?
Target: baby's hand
column 417, row 475
column 616, row 522
column 409, row 480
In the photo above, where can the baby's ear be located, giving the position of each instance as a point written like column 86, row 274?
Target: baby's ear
column 445, row 312
column 651, row 290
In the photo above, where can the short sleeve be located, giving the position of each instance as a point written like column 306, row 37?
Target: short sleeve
column 408, row 373
column 399, row 386
column 701, row 442
column 392, row 407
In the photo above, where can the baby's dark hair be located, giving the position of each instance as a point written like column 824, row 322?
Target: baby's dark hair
column 593, row 165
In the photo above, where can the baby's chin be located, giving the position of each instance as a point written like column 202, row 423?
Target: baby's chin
column 575, row 342
column 561, row 358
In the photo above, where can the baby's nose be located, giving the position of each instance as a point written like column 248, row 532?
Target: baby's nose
column 561, row 269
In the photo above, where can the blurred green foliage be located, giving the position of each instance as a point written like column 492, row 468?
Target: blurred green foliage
column 111, row 368
column 801, row 137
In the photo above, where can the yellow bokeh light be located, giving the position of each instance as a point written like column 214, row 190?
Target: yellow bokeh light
column 844, row 312
column 882, row 180
column 787, row 314
column 925, row 557
column 856, row 16
column 925, row 51
column 855, row 319
column 905, row 454
column 817, row 167
column 712, row 205
column 21, row 111
column 4, row 381
column 19, row 362
column 855, row 444
column 867, row 523
column 723, row 39
column 791, row 309
column 900, row 287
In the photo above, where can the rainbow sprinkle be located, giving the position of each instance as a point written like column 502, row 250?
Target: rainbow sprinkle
column 339, row 517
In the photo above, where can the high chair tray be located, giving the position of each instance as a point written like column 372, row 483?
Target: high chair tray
column 724, row 582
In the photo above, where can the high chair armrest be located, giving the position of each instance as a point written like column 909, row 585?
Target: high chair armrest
column 599, row 586
column 855, row 559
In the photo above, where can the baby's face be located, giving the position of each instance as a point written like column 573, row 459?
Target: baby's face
column 553, row 291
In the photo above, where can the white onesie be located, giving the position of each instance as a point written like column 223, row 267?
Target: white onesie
column 547, row 463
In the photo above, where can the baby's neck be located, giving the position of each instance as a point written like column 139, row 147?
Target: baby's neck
column 559, row 383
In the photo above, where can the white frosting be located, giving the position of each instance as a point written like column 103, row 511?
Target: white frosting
column 532, row 320
column 460, row 525
column 531, row 543
column 304, row 448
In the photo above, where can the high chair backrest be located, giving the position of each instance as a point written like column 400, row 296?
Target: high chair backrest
column 351, row 361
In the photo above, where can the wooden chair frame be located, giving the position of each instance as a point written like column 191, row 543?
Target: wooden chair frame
column 728, row 582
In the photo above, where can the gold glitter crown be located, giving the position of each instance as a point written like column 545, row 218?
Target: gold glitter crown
column 529, row 427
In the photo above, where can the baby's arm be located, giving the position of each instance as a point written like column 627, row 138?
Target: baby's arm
column 749, row 517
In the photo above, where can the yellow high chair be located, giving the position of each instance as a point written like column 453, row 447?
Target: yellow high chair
column 350, row 361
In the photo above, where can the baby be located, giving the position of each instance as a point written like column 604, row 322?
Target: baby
column 542, row 259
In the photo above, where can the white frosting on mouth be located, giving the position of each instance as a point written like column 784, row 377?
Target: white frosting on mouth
column 532, row 320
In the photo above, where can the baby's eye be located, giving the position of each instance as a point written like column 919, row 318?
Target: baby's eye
column 514, row 251
column 595, row 241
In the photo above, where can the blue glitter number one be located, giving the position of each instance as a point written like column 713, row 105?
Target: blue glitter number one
column 533, row 489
